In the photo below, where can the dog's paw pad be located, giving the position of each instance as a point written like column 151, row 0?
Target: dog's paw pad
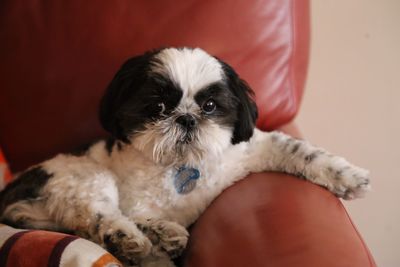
column 358, row 187
column 170, row 236
column 127, row 246
column 348, row 181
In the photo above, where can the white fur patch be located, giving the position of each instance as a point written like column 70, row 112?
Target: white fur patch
column 190, row 69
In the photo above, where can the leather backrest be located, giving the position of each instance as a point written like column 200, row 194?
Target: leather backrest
column 57, row 57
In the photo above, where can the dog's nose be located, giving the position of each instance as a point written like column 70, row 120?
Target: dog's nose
column 187, row 121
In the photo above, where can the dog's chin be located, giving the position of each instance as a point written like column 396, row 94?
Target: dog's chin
column 179, row 147
column 170, row 148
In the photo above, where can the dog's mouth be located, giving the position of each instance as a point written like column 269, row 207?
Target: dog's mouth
column 186, row 138
column 187, row 147
column 166, row 142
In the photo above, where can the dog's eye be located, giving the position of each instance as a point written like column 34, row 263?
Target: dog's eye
column 161, row 107
column 209, row 106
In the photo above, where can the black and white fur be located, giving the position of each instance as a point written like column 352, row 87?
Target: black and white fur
column 165, row 109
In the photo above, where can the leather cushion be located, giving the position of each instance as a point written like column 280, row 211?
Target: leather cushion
column 57, row 57
column 284, row 220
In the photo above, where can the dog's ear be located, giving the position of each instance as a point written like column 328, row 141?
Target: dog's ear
column 128, row 80
column 246, row 110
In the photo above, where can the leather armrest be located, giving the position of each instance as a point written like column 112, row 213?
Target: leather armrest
column 274, row 219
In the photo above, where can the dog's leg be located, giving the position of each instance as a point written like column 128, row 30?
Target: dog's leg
column 102, row 223
column 276, row 151
column 81, row 197
column 84, row 198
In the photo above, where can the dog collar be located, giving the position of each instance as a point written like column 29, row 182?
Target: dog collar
column 185, row 179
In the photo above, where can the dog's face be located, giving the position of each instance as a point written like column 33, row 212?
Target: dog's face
column 178, row 104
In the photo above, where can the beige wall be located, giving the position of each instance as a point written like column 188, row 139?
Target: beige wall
column 352, row 107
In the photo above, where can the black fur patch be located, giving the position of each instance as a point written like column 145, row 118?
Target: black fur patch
column 246, row 110
column 309, row 158
column 114, row 244
column 110, row 245
column 295, row 148
column 110, row 144
column 134, row 97
column 99, row 219
column 226, row 103
column 26, row 186
column 81, row 150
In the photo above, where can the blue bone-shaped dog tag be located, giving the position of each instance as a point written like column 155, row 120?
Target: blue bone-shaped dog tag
column 185, row 179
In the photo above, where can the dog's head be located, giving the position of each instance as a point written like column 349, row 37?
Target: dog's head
column 178, row 104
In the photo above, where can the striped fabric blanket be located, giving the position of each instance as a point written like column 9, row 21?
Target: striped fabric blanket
column 35, row 248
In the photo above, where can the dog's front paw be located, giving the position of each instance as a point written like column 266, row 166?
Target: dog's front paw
column 171, row 237
column 126, row 242
column 346, row 180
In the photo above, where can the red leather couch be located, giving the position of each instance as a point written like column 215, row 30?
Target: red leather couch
column 57, row 57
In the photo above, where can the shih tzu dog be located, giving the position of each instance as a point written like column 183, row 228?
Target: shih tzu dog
column 183, row 129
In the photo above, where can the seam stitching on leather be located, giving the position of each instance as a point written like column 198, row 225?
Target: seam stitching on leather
column 293, row 89
column 366, row 250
